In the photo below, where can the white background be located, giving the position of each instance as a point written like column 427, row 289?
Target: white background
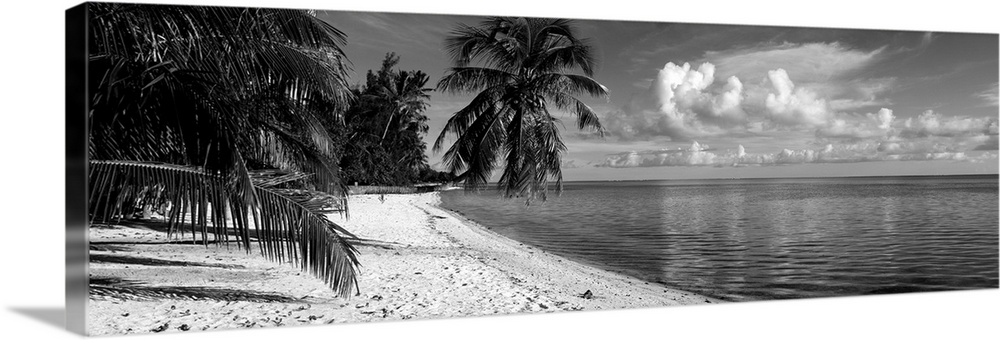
column 32, row 185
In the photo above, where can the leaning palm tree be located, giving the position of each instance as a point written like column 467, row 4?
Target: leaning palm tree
column 523, row 69
column 219, row 112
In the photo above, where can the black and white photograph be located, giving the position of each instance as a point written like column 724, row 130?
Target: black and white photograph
column 254, row 167
column 241, row 167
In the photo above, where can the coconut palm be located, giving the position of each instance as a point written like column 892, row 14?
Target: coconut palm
column 522, row 70
column 219, row 112
column 407, row 99
column 386, row 125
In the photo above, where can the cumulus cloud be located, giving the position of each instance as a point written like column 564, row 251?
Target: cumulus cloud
column 870, row 125
column 681, row 103
column 685, row 103
column 884, row 118
column 991, row 143
column 698, row 155
column 931, row 123
column 827, row 79
column 791, row 106
column 800, row 95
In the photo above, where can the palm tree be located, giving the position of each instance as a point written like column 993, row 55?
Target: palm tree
column 390, row 101
column 219, row 111
column 523, row 69
column 408, row 99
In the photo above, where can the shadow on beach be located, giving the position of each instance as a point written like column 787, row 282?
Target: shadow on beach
column 112, row 287
column 146, row 261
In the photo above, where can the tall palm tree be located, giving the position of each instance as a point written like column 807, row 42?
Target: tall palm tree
column 219, row 111
column 523, row 69
column 393, row 101
column 408, row 99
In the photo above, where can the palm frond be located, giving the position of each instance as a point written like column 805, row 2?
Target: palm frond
column 518, row 169
column 238, row 43
column 289, row 224
column 458, row 123
column 550, row 83
column 474, row 153
column 523, row 64
column 198, row 68
column 488, row 42
column 585, row 116
column 187, row 100
column 468, row 79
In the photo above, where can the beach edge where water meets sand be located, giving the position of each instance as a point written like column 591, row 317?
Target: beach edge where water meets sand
column 418, row 261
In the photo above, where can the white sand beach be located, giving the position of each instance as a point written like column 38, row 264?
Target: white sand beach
column 418, row 261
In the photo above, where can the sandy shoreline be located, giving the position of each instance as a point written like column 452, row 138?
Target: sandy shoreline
column 418, row 261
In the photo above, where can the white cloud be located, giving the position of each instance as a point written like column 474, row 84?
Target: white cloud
column 569, row 164
column 812, row 62
column 884, row 118
column 991, row 143
column 830, row 71
column 823, row 105
column 870, row 125
column 624, row 160
column 791, row 106
column 931, row 123
column 681, row 103
column 698, row 155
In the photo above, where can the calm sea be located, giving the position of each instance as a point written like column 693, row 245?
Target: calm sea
column 753, row 239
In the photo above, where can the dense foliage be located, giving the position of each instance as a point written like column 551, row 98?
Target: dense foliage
column 384, row 129
column 218, row 113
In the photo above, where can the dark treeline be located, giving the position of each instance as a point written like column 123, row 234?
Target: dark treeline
column 382, row 133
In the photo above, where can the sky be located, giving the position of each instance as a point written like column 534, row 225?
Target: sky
column 725, row 101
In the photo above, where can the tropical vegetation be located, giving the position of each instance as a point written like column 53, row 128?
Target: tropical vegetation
column 219, row 112
column 238, row 124
column 385, row 129
column 517, row 68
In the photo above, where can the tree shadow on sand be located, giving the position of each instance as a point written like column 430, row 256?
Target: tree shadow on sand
column 159, row 226
column 183, row 233
column 117, row 288
column 108, row 288
column 146, row 261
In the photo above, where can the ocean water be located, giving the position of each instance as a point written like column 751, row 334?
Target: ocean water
column 758, row 239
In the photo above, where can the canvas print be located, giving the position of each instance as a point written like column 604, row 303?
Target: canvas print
column 262, row 167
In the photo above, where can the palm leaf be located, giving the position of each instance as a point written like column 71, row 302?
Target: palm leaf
column 466, row 79
column 187, row 100
column 522, row 64
column 484, row 101
column 290, row 224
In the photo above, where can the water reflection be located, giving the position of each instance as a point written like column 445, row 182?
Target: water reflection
column 763, row 239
